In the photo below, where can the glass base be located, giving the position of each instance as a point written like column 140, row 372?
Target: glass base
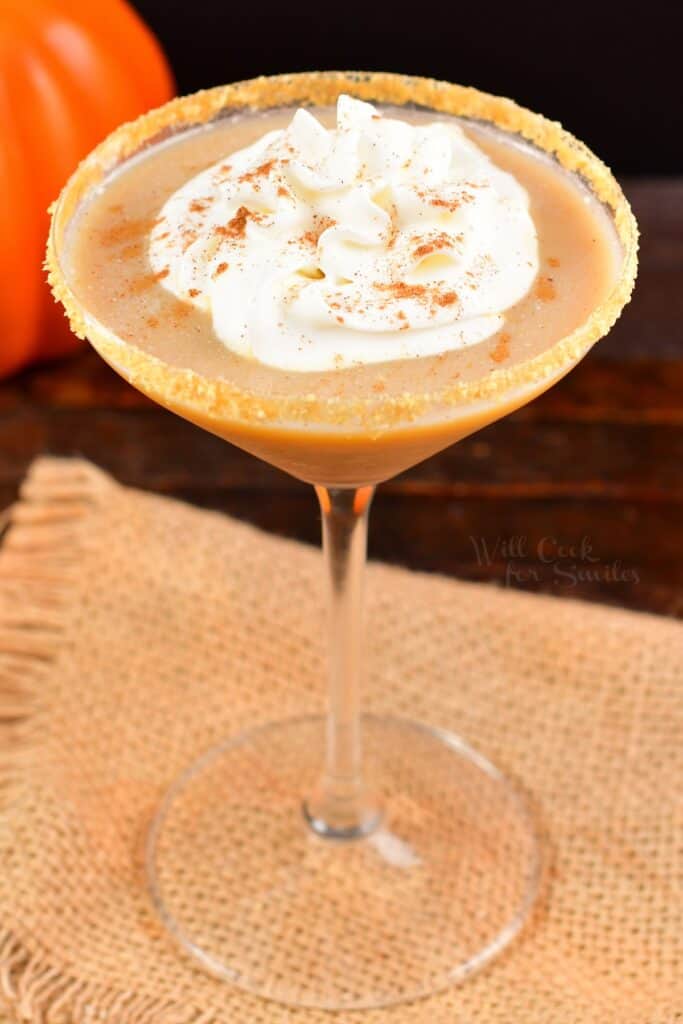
column 245, row 885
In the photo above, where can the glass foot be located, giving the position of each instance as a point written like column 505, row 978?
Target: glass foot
column 245, row 885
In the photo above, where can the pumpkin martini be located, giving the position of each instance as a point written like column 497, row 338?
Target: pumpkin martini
column 342, row 274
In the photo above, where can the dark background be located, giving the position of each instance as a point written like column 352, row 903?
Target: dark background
column 611, row 72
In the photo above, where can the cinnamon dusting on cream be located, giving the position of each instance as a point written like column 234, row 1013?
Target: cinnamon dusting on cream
column 262, row 171
column 237, row 225
column 442, row 241
column 397, row 256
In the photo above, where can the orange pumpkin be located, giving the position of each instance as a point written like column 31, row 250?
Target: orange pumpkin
column 70, row 71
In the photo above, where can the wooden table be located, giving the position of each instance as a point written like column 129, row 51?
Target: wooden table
column 580, row 493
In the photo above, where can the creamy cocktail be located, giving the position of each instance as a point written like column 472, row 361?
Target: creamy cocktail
column 343, row 273
column 261, row 252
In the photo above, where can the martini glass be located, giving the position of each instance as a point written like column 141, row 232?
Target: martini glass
column 342, row 861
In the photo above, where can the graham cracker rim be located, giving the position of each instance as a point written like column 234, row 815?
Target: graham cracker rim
column 220, row 398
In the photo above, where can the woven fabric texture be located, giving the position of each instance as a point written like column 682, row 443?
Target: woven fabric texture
column 136, row 632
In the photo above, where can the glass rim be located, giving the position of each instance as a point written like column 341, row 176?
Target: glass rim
column 226, row 400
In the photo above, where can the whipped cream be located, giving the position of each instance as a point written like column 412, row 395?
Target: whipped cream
column 316, row 249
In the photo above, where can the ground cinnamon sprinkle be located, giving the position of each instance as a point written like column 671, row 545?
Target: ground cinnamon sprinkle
column 237, row 226
column 442, row 241
column 262, row 171
column 282, row 191
column 502, row 350
column 545, row 289
column 179, row 310
column 128, row 231
column 553, row 261
column 402, row 290
column 321, row 224
column 193, row 292
column 145, row 281
column 220, row 269
column 197, row 206
column 421, row 292
column 189, row 237
column 446, row 204
column 131, row 251
column 140, row 284
column 152, row 321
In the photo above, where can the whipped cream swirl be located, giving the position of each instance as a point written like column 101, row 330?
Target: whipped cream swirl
column 316, row 249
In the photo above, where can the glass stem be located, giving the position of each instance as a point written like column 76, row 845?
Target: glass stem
column 341, row 807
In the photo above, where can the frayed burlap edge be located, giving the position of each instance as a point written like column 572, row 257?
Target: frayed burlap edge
column 31, row 989
column 45, row 531
column 36, row 580
column 37, row 567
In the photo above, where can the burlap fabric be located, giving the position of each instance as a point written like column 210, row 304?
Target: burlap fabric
column 135, row 632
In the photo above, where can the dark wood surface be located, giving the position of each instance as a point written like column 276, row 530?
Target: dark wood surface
column 579, row 494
